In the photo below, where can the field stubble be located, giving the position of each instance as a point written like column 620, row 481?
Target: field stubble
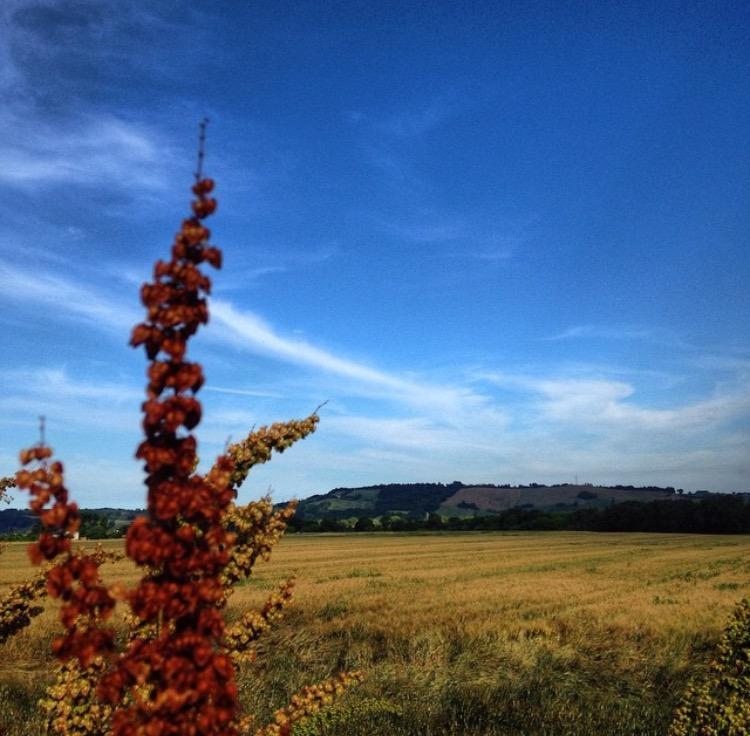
column 497, row 633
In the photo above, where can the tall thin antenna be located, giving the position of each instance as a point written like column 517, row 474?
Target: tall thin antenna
column 42, row 425
column 201, row 148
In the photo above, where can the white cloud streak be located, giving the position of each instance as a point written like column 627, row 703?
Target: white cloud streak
column 409, row 123
column 66, row 298
column 69, row 403
column 593, row 426
column 599, row 332
column 56, row 382
column 591, row 403
column 73, row 141
column 247, row 331
column 98, row 150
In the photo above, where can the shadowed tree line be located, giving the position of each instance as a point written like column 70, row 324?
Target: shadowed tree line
column 716, row 514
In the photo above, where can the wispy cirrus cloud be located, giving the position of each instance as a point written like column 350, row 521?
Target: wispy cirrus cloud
column 429, row 229
column 95, row 150
column 66, row 298
column 457, row 237
column 243, row 330
column 591, row 404
column 602, row 332
column 417, row 121
column 623, row 333
column 415, row 216
column 408, row 122
column 57, row 382
column 516, row 426
column 607, row 402
column 570, row 399
column 421, row 435
column 70, row 403
column 270, row 261
column 55, row 129
column 243, row 392
column 246, row 330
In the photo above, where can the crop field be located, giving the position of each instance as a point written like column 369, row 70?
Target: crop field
column 496, row 633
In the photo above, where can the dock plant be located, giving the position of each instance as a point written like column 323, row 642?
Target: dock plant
column 174, row 673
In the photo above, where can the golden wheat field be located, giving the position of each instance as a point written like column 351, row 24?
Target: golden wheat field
column 473, row 633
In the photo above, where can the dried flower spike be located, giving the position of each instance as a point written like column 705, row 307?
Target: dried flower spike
column 180, row 681
column 176, row 675
column 74, row 579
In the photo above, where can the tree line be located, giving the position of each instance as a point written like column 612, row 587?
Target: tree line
column 716, row 514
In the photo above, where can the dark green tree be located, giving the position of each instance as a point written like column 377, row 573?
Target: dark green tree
column 364, row 524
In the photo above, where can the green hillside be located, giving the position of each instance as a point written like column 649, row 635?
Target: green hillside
column 458, row 499
column 415, row 500
column 95, row 523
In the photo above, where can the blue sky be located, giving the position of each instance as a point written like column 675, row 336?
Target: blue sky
column 506, row 242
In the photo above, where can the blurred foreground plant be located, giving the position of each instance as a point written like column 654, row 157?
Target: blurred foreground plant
column 719, row 705
column 176, row 672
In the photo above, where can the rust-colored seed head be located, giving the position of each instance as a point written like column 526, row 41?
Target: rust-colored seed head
column 176, row 675
column 182, row 541
column 75, row 578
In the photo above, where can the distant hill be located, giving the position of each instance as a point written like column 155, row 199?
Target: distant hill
column 415, row 500
column 458, row 499
column 16, row 520
column 22, row 520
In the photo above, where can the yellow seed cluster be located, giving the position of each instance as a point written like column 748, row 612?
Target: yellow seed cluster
column 309, row 702
column 259, row 445
column 336, row 720
column 70, row 706
column 137, row 629
column 720, row 705
column 6, row 483
column 20, row 605
column 239, row 637
column 257, row 528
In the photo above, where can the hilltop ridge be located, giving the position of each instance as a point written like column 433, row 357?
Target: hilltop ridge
column 412, row 500
column 460, row 499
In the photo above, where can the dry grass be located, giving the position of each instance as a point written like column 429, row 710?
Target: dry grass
column 497, row 633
